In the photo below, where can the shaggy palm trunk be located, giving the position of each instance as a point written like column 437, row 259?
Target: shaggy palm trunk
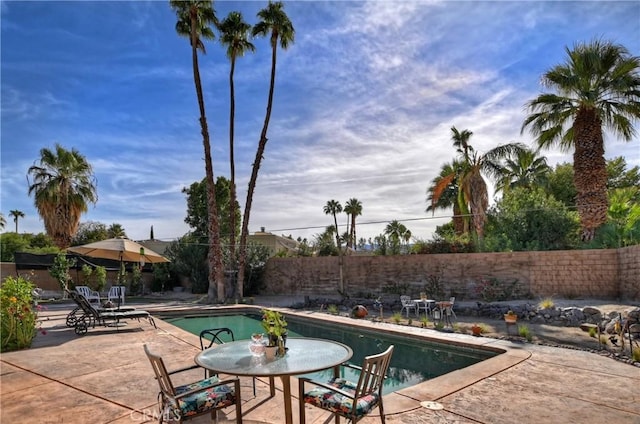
column 479, row 202
column 589, row 172
column 458, row 220
column 214, row 257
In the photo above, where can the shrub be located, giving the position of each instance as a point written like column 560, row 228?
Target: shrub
column 332, row 309
column 592, row 332
column 525, row 332
column 636, row 354
column 18, row 316
column 396, row 318
column 546, row 303
column 101, row 277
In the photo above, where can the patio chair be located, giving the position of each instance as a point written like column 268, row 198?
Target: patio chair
column 452, row 300
column 86, row 315
column 116, row 294
column 346, row 399
column 181, row 403
column 408, row 304
column 89, row 294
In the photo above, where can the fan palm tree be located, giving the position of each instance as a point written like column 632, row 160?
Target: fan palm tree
column 16, row 214
column 397, row 233
column 443, row 194
column 274, row 22
column 195, row 18
column 63, row 185
column 472, row 195
column 234, row 33
column 597, row 87
column 523, row 169
column 116, row 230
column 353, row 209
column 333, row 207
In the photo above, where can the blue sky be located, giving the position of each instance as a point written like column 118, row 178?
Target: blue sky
column 364, row 101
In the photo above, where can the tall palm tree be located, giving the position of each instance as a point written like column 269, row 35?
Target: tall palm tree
column 3, row 221
column 234, row 33
column 273, row 21
column 397, row 233
column 16, row 214
column 63, row 185
column 523, row 169
column 472, row 195
column 353, row 209
column 194, row 20
column 333, row 207
column 597, row 87
column 116, row 230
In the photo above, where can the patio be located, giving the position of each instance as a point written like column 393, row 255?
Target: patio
column 104, row 377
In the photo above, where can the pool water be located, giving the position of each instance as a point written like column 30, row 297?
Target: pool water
column 413, row 361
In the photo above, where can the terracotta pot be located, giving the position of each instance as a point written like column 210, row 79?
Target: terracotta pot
column 510, row 318
column 476, row 330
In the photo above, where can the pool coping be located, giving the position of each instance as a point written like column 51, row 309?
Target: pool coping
column 509, row 355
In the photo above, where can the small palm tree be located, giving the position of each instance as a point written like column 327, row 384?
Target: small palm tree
column 234, row 33
column 273, row 21
column 63, row 185
column 3, row 221
column 116, row 230
column 333, row 207
column 525, row 168
column 16, row 214
column 195, row 18
column 397, row 233
column 597, row 87
column 353, row 208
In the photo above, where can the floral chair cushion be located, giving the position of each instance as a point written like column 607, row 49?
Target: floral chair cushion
column 205, row 400
column 338, row 403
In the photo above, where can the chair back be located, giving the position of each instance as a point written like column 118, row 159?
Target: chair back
column 212, row 335
column 166, row 387
column 84, row 290
column 117, row 292
column 374, row 370
column 406, row 300
column 452, row 299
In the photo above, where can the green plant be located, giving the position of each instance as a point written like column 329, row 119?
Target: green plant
column 546, row 303
column 635, row 354
column 60, row 271
column 87, row 270
column 332, row 309
column 136, row 280
column 396, row 318
column 409, row 321
column 18, row 316
column 439, row 325
column 101, row 277
column 434, row 286
column 274, row 324
column 424, row 321
column 456, row 327
column 525, row 332
column 592, row 332
column 603, row 340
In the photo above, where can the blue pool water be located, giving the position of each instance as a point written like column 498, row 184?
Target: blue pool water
column 413, row 361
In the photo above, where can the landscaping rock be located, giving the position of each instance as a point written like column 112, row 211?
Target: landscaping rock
column 586, row 327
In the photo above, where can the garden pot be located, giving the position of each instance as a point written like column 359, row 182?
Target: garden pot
column 510, row 318
column 270, row 352
column 476, row 330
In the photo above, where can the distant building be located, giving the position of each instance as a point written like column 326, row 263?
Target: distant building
column 276, row 244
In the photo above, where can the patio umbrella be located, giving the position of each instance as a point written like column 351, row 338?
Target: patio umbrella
column 119, row 249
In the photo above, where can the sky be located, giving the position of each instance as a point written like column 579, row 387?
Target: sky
column 364, row 102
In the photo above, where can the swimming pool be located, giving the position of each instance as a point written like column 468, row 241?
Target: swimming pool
column 414, row 361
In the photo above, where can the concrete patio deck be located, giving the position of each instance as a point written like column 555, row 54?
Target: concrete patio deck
column 104, row 377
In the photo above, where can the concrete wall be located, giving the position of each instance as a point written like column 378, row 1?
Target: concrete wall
column 607, row 273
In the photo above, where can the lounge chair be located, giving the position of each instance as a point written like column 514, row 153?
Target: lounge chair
column 343, row 398
column 88, row 316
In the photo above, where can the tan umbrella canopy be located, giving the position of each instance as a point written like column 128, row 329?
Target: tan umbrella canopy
column 119, row 249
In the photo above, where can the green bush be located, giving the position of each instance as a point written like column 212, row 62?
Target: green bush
column 18, row 316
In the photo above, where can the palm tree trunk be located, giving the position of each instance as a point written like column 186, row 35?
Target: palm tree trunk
column 244, row 234
column 214, row 257
column 232, row 166
column 335, row 220
column 590, row 172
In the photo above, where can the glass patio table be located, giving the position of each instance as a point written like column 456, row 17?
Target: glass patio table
column 304, row 355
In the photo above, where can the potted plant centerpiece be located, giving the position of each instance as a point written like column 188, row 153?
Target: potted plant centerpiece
column 275, row 326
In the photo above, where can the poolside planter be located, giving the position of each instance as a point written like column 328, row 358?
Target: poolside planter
column 510, row 318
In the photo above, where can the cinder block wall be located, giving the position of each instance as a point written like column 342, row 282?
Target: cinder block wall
column 629, row 272
column 573, row 273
